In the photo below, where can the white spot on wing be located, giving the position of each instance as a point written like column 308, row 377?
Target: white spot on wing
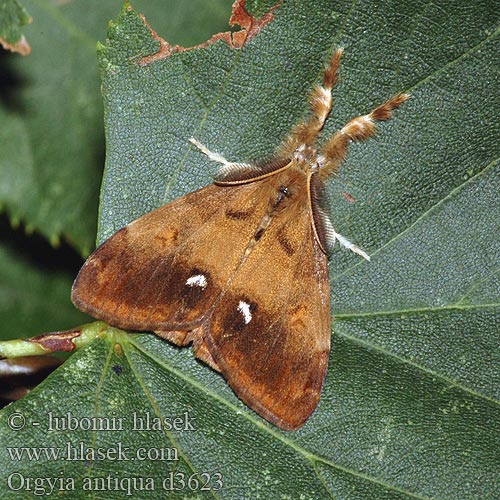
column 197, row 280
column 244, row 309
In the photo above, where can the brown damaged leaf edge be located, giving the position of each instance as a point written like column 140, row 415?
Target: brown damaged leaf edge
column 57, row 341
column 22, row 46
column 250, row 27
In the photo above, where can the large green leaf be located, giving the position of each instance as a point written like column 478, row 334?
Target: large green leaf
column 52, row 145
column 51, row 135
column 410, row 404
column 52, row 140
column 33, row 296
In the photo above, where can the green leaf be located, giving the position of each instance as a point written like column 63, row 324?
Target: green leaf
column 33, row 298
column 53, row 116
column 51, row 147
column 410, row 404
column 51, row 135
column 13, row 17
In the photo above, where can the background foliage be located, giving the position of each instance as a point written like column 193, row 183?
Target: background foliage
column 52, row 147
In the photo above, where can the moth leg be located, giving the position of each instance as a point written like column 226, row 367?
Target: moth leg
column 216, row 157
column 196, row 337
column 332, row 236
column 350, row 246
column 228, row 167
column 360, row 128
column 305, row 134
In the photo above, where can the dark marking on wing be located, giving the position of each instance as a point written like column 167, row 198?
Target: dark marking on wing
column 238, row 214
column 285, row 244
column 258, row 234
column 234, row 320
column 168, row 237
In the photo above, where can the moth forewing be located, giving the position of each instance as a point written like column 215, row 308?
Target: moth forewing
column 272, row 337
column 163, row 271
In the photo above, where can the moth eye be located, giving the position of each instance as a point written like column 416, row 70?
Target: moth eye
column 284, row 191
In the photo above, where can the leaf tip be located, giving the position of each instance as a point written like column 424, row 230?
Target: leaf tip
column 21, row 46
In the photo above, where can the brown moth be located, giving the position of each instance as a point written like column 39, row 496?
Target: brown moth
column 239, row 268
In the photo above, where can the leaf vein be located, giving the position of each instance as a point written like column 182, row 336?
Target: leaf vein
column 424, row 215
column 158, row 412
column 266, row 427
column 406, row 47
column 422, row 368
column 456, row 60
column 208, row 108
column 476, row 285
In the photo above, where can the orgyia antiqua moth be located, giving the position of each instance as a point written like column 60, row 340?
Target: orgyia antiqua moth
column 239, row 268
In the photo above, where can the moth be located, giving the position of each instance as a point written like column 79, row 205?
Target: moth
column 239, row 268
